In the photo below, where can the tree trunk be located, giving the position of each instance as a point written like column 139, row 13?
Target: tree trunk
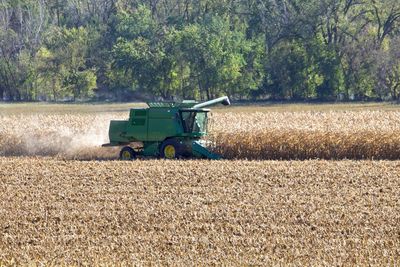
column 54, row 89
column 18, row 95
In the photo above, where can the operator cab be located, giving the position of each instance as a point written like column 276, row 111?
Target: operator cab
column 194, row 120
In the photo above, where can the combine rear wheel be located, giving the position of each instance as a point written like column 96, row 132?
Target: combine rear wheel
column 127, row 153
column 170, row 149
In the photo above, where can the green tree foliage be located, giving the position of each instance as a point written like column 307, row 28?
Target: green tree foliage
column 62, row 64
column 171, row 49
column 292, row 73
column 200, row 60
column 221, row 60
column 141, row 52
column 388, row 70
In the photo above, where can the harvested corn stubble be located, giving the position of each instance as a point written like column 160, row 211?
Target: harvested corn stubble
column 198, row 212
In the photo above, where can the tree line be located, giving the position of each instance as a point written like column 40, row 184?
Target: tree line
column 57, row 50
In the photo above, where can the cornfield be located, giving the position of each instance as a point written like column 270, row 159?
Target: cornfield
column 156, row 212
column 271, row 135
column 308, row 135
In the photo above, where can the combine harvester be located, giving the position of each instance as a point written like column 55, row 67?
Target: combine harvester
column 165, row 129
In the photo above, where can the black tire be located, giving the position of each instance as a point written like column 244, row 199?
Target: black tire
column 127, row 153
column 168, row 146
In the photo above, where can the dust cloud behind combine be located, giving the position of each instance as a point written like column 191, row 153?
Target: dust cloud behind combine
column 71, row 136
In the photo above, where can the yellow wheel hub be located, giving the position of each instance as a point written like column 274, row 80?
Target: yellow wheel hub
column 169, row 152
column 126, row 155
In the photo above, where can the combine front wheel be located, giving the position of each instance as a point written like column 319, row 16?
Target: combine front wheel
column 127, row 153
column 170, row 149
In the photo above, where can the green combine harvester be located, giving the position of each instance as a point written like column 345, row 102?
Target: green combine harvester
column 165, row 129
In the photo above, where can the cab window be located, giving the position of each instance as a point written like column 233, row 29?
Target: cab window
column 194, row 121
